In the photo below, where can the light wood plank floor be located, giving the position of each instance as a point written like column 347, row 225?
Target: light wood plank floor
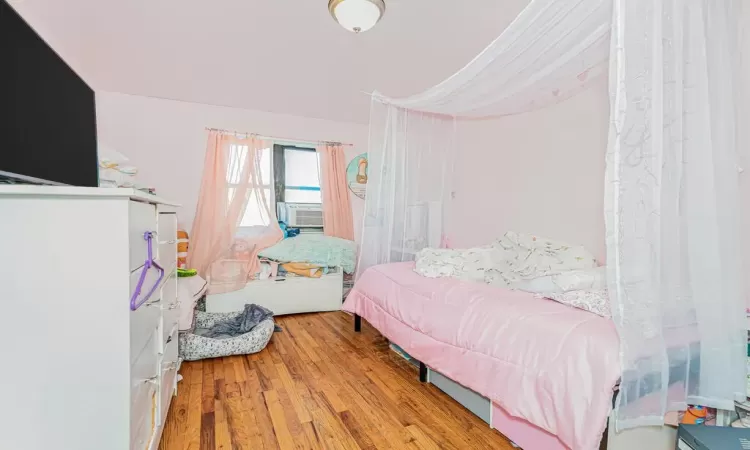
column 318, row 385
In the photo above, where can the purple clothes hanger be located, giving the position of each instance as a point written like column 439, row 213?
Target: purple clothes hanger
column 134, row 303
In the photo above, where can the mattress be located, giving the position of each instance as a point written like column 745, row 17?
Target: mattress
column 551, row 365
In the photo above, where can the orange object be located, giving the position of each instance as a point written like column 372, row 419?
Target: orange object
column 362, row 171
column 303, row 269
column 183, row 242
column 694, row 415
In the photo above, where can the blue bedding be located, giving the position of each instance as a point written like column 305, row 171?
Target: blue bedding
column 316, row 249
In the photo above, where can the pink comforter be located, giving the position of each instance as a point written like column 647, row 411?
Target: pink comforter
column 550, row 364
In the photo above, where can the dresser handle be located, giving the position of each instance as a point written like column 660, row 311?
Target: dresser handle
column 152, row 380
column 169, row 366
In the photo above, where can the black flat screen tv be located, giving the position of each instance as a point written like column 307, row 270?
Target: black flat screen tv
column 47, row 112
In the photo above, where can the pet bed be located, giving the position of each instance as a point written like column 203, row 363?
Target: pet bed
column 194, row 347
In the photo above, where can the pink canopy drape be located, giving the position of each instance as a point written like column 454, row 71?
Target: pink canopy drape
column 232, row 182
column 337, row 206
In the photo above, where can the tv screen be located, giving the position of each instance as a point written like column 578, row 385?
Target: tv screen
column 47, row 112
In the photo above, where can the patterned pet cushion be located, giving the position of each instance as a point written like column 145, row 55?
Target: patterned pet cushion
column 194, row 347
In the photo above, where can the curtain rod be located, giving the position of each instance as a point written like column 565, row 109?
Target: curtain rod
column 276, row 138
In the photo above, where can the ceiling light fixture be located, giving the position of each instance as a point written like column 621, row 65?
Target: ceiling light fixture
column 357, row 15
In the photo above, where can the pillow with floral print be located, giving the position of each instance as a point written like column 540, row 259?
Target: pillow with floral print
column 592, row 300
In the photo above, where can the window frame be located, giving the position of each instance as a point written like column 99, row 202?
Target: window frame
column 279, row 171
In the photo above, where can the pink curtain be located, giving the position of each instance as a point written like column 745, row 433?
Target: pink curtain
column 337, row 206
column 232, row 182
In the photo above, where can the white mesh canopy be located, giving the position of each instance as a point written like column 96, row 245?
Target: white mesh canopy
column 549, row 52
column 671, row 191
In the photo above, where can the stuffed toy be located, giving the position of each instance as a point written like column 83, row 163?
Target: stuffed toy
column 182, row 248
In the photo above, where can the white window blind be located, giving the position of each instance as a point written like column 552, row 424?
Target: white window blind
column 302, row 176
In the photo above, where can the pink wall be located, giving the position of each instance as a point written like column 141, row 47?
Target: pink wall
column 541, row 173
column 166, row 140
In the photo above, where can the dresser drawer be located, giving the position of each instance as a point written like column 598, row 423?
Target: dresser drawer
column 168, row 225
column 170, row 351
column 167, row 254
column 169, row 380
column 167, row 238
column 142, row 218
column 145, row 319
column 141, row 438
column 168, row 373
column 169, row 287
column 170, row 306
column 144, row 394
column 169, row 323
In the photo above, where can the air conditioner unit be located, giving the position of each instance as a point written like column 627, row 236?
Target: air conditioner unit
column 301, row 214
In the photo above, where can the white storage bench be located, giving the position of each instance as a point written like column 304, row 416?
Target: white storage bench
column 284, row 295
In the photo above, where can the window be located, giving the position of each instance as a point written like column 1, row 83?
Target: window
column 297, row 174
column 254, row 215
column 296, row 179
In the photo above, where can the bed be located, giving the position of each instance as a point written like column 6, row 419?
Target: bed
column 298, row 275
column 548, row 369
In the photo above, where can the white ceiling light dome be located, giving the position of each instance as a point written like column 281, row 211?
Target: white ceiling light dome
column 357, row 15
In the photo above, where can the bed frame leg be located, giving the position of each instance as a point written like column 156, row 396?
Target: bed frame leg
column 605, row 438
column 357, row 323
column 422, row 372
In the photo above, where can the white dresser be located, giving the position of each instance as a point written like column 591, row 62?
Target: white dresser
column 79, row 368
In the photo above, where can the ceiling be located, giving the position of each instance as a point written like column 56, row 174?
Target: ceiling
column 283, row 56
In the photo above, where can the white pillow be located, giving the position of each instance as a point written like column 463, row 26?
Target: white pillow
column 594, row 301
column 534, row 255
column 538, row 285
column 571, row 280
column 576, row 280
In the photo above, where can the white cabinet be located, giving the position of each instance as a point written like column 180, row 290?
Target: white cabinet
column 81, row 370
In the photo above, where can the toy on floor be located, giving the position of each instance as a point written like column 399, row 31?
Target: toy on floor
column 695, row 415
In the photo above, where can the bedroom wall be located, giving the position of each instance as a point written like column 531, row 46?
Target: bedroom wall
column 543, row 173
column 166, row 140
column 540, row 172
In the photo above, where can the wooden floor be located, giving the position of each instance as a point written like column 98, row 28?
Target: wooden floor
column 318, row 385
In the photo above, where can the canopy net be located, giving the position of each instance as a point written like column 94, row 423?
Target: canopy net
column 671, row 197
